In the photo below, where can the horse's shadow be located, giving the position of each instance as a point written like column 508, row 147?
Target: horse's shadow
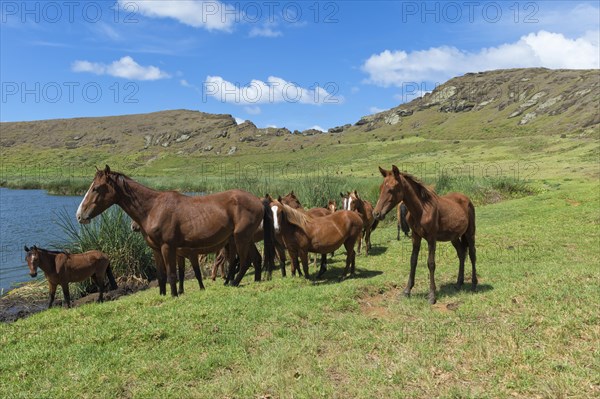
column 449, row 290
column 376, row 250
column 333, row 275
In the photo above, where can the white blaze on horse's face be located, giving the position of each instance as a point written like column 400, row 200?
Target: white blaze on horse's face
column 275, row 219
column 348, row 204
column 83, row 219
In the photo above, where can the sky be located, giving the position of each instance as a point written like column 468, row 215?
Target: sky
column 289, row 64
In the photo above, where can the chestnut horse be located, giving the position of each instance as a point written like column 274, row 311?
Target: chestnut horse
column 303, row 233
column 172, row 220
column 63, row 268
column 435, row 218
column 292, row 201
column 353, row 202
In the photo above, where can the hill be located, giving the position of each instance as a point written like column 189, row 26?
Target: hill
column 533, row 108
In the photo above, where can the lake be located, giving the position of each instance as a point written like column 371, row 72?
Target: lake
column 28, row 217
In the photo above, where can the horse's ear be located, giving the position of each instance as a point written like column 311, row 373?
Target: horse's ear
column 396, row 171
column 279, row 198
column 97, row 170
column 341, row 194
column 107, row 169
column 25, row 248
column 292, row 192
column 383, row 172
column 34, row 247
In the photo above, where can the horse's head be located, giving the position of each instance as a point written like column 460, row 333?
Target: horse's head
column 33, row 259
column 332, row 206
column 390, row 192
column 345, row 200
column 353, row 202
column 100, row 196
column 277, row 209
column 291, row 200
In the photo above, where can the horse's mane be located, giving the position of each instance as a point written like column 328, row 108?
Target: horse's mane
column 425, row 194
column 113, row 174
column 52, row 252
column 296, row 217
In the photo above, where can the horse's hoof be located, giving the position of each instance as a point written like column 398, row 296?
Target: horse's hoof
column 474, row 287
column 406, row 293
column 432, row 299
column 458, row 286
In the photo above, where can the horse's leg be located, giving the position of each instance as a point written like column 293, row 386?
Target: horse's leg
column 52, row 292
column 66, row 294
column 323, row 268
column 170, row 261
column 431, row 266
column 473, row 257
column 294, row 261
column 230, row 255
column 359, row 242
column 100, row 284
column 243, row 243
column 280, row 250
column 367, row 240
column 304, row 260
column 414, row 257
column 398, row 234
column 461, row 252
column 181, row 270
column 196, row 267
column 160, row 273
column 256, row 261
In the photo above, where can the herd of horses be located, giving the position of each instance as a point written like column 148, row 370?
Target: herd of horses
column 176, row 226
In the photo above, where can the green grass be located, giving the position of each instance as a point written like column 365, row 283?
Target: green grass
column 531, row 329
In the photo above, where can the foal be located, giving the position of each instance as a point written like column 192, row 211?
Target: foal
column 63, row 268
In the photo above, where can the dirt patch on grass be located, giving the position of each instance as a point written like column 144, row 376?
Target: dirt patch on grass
column 376, row 305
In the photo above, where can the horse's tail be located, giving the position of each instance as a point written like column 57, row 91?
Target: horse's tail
column 111, row 278
column 471, row 228
column 402, row 222
column 269, row 237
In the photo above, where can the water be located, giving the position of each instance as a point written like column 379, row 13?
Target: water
column 28, row 217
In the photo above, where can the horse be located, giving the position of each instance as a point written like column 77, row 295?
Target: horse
column 303, row 233
column 292, row 200
column 64, row 268
column 172, row 220
column 435, row 218
column 353, row 202
column 401, row 212
column 182, row 253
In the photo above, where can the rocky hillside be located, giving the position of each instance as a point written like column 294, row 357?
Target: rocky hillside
column 555, row 101
column 491, row 104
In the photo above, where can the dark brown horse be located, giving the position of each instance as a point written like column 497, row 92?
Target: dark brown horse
column 303, row 233
column 172, row 220
column 435, row 218
column 64, row 268
column 353, row 202
column 182, row 253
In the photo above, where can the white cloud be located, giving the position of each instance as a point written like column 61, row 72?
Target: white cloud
column 210, row 15
column 272, row 126
column 255, row 110
column 239, row 121
column 541, row 49
column 376, row 110
column 125, row 68
column 274, row 90
column 319, row 128
column 265, row 31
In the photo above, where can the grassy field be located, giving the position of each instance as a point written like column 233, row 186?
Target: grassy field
column 531, row 330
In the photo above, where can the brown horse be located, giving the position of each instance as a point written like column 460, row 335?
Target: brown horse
column 353, row 202
column 303, row 233
column 182, row 253
column 292, row 201
column 435, row 218
column 63, row 268
column 172, row 220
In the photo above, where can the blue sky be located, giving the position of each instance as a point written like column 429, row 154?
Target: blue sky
column 277, row 63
